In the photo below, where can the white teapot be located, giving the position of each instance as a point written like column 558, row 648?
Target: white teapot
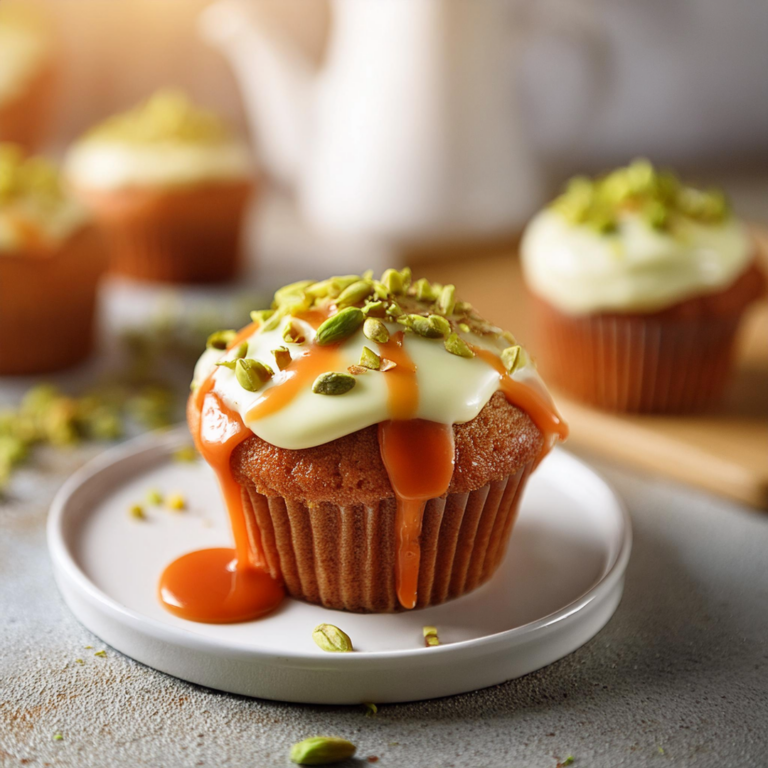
column 410, row 129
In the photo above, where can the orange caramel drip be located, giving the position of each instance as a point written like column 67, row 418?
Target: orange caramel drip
column 419, row 457
column 535, row 404
column 296, row 377
column 401, row 381
column 221, row 585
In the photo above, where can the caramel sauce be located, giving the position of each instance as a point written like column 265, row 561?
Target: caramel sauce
column 401, row 381
column 221, row 585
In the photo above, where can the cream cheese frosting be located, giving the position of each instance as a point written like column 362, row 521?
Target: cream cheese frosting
column 164, row 142
column 452, row 389
column 637, row 268
column 634, row 240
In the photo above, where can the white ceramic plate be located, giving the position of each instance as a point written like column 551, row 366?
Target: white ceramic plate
column 559, row 584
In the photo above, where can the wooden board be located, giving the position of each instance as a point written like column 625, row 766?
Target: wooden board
column 725, row 451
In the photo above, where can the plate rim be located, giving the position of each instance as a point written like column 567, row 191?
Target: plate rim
column 166, row 439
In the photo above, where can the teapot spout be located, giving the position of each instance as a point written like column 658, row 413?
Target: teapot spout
column 276, row 79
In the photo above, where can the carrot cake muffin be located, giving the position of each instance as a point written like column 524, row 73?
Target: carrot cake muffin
column 27, row 75
column 639, row 283
column 170, row 184
column 51, row 258
column 372, row 439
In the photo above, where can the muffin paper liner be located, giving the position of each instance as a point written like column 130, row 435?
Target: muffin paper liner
column 48, row 303
column 343, row 557
column 189, row 235
column 637, row 364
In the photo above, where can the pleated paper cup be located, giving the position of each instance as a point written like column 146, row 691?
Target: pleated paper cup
column 48, row 304
column 637, row 364
column 185, row 235
column 343, row 557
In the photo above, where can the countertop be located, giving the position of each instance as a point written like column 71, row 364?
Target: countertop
column 678, row 677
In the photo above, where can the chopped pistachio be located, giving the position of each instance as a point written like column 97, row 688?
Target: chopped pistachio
column 569, row 760
column 261, row 316
column 275, row 318
column 252, row 374
column 101, row 654
column 393, row 281
column 374, row 308
column 423, row 290
column 446, row 302
column 371, row 710
column 176, row 502
column 293, row 334
column 387, row 365
column 57, row 737
column 154, row 497
column 357, row 370
column 367, row 275
column 292, row 293
column 322, row 750
column 380, row 290
column 369, row 359
column 430, row 636
column 394, row 309
column 464, row 328
column 229, row 364
column 137, row 512
column 339, row 326
column 332, row 639
column 462, row 307
column 79, row 661
column 509, row 338
column 375, row 330
column 423, row 326
column 282, row 357
column 457, row 346
column 355, row 293
column 333, row 383
column 220, row 339
column 512, row 358
column 441, row 324
column 186, row 453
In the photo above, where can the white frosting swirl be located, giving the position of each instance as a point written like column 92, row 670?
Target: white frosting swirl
column 452, row 389
column 110, row 164
column 51, row 224
column 637, row 268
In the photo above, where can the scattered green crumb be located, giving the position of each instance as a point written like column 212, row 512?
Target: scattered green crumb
column 568, row 760
column 661, row 750
column 79, row 661
column 187, row 453
column 154, row 497
column 87, row 647
column 371, row 710
column 57, row 737
column 176, row 502
column 102, row 654
column 393, row 744
column 137, row 512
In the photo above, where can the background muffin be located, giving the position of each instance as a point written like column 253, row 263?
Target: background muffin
column 170, row 185
column 27, row 76
column 639, row 283
column 51, row 258
column 322, row 472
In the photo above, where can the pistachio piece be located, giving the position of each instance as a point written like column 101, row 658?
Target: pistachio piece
column 330, row 638
column 464, row 328
column 252, row 374
column 227, row 364
column 261, row 316
column 387, row 365
column 293, row 334
column 369, row 359
column 220, row 339
column 423, row 290
column 393, row 281
column 282, row 357
column 242, row 350
column 322, row 750
column 512, row 358
column 176, row 502
column 339, row 326
column 154, row 497
column 333, row 383
column 423, row 326
column 380, row 290
column 374, row 308
column 137, row 512
column 394, row 309
column 462, row 307
column 441, row 324
column 375, row 330
column 509, row 338
column 357, row 370
column 457, row 346
column 430, row 636
column 275, row 319
column 355, row 293
column 446, row 302
column 293, row 292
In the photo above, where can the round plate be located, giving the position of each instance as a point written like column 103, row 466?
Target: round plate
column 559, row 584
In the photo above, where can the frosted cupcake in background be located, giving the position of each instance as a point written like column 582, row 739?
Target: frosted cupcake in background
column 27, row 75
column 51, row 258
column 639, row 283
column 170, row 185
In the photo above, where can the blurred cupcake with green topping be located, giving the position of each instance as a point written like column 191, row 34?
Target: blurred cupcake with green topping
column 51, row 258
column 170, row 184
column 639, row 282
column 27, row 75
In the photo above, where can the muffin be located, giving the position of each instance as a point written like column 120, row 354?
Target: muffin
column 170, row 184
column 373, row 439
column 51, row 258
column 638, row 286
column 27, row 76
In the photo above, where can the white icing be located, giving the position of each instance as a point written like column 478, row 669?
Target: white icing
column 580, row 271
column 452, row 389
column 23, row 50
column 52, row 223
column 101, row 164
